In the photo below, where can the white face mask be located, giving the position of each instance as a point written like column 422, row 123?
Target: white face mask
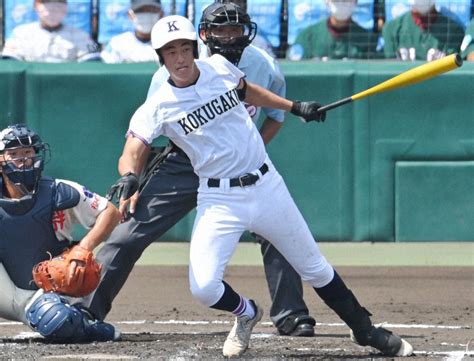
column 423, row 6
column 144, row 22
column 52, row 14
column 341, row 10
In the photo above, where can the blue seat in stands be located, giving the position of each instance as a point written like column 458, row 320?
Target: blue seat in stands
column 267, row 15
column 18, row 12
column 199, row 6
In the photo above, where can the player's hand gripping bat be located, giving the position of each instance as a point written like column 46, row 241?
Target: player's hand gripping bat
column 412, row 76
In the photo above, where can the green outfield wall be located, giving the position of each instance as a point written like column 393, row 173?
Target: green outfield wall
column 397, row 166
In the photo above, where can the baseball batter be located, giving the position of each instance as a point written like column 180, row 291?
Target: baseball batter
column 37, row 216
column 200, row 108
column 219, row 21
column 170, row 189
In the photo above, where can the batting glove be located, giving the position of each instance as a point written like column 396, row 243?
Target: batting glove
column 308, row 111
column 125, row 187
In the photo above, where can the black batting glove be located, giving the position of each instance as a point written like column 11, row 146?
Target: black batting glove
column 308, row 111
column 125, row 187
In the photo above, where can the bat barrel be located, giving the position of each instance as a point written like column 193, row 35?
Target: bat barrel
column 415, row 75
column 409, row 77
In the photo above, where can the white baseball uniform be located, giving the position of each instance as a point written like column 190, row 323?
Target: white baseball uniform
column 31, row 42
column 127, row 48
column 208, row 121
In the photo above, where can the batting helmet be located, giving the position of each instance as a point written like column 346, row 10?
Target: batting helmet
column 23, row 172
column 171, row 28
column 222, row 14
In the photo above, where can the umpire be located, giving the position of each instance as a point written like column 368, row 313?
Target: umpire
column 168, row 187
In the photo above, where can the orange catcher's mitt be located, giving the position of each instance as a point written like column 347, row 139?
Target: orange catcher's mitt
column 74, row 272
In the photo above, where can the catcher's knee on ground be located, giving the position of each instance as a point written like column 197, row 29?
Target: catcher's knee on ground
column 56, row 320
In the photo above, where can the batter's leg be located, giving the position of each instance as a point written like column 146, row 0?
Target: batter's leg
column 167, row 197
column 288, row 312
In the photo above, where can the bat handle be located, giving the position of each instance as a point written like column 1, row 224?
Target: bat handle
column 330, row 106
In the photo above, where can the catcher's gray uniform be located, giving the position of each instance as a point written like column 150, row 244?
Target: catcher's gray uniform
column 170, row 193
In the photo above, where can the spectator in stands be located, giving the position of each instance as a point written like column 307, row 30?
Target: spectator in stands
column 49, row 40
column 467, row 45
column 335, row 37
column 421, row 34
column 135, row 46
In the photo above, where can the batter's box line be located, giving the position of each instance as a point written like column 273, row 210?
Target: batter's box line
column 340, row 324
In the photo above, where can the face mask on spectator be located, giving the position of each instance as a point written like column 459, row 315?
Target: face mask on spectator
column 341, row 10
column 144, row 21
column 423, row 6
column 52, row 14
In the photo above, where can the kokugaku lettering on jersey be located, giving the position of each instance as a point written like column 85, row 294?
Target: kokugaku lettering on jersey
column 209, row 111
column 206, row 120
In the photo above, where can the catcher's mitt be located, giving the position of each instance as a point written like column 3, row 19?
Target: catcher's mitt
column 73, row 273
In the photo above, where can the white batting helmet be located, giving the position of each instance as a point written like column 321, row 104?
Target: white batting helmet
column 171, row 28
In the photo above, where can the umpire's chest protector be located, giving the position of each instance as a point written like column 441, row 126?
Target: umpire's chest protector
column 26, row 238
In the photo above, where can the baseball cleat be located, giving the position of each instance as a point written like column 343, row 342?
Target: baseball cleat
column 96, row 330
column 238, row 339
column 385, row 341
column 102, row 331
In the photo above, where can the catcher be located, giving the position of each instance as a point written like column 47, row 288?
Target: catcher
column 40, row 267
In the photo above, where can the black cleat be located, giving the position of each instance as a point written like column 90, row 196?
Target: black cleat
column 385, row 341
column 298, row 326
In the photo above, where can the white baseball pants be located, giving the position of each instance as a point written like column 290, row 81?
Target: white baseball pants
column 265, row 208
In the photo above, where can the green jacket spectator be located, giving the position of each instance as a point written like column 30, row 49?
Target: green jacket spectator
column 322, row 40
column 335, row 37
column 467, row 45
column 418, row 36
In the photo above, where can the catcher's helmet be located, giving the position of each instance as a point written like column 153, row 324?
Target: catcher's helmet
column 223, row 13
column 23, row 172
column 171, row 28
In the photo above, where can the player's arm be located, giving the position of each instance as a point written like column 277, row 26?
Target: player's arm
column 269, row 129
column 130, row 166
column 105, row 223
column 259, row 96
column 274, row 117
column 133, row 157
column 85, row 208
column 131, row 163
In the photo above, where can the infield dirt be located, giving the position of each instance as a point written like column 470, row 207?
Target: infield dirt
column 429, row 306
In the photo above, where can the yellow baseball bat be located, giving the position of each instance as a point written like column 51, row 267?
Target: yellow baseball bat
column 412, row 76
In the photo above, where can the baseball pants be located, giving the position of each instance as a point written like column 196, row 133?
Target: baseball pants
column 169, row 194
column 266, row 208
column 13, row 299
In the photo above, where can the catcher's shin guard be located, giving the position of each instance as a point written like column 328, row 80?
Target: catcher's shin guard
column 55, row 319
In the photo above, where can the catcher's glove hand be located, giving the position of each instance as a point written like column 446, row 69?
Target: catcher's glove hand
column 73, row 273
column 308, row 111
column 125, row 187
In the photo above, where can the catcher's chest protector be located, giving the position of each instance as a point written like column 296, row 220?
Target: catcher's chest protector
column 26, row 239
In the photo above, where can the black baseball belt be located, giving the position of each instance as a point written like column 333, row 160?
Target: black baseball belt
column 244, row 180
